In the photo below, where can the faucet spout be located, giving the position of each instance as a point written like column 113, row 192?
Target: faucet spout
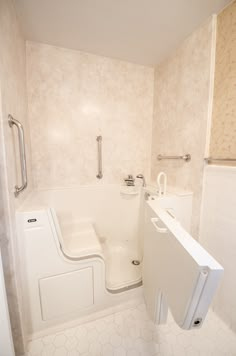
column 141, row 176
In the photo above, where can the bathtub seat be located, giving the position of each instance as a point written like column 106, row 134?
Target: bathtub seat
column 82, row 243
column 78, row 239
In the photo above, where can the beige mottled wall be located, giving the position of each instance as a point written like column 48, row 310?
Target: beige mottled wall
column 74, row 97
column 181, row 100
column 13, row 100
column 223, row 132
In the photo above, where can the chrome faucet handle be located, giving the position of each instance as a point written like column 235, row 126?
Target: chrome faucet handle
column 129, row 180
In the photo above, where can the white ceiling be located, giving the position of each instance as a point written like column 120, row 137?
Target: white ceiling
column 140, row 31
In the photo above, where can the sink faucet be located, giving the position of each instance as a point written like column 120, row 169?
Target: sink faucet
column 141, row 176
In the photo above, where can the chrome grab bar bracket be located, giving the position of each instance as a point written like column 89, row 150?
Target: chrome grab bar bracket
column 11, row 122
column 99, row 141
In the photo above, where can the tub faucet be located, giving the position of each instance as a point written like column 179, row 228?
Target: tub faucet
column 141, row 176
column 129, row 181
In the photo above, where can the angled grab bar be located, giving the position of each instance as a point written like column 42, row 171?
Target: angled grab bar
column 20, row 130
column 99, row 141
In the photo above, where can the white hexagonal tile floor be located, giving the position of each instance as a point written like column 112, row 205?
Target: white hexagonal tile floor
column 131, row 333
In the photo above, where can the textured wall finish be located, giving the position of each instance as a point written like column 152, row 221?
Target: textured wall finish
column 75, row 96
column 13, row 100
column 181, row 99
column 13, row 89
column 223, row 134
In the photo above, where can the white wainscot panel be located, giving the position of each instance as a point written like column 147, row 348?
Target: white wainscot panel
column 66, row 293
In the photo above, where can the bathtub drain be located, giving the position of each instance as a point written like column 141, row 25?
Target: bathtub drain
column 136, row 262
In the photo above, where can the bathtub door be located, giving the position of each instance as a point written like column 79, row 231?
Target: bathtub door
column 6, row 343
column 177, row 272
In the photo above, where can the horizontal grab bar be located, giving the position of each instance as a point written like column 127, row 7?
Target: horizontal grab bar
column 211, row 159
column 186, row 157
column 11, row 122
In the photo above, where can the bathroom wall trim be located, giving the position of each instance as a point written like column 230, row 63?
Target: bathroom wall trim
column 211, row 86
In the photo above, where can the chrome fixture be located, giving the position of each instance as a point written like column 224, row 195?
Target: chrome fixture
column 141, row 176
column 99, row 141
column 136, row 262
column 212, row 159
column 147, row 195
column 11, row 122
column 129, row 181
column 186, row 157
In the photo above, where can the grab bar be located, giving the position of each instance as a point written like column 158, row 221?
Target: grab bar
column 186, row 157
column 99, row 141
column 212, row 159
column 11, row 122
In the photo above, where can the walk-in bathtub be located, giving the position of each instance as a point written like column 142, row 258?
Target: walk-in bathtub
column 78, row 246
column 81, row 250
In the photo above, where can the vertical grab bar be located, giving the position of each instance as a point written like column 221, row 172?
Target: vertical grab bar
column 99, row 141
column 20, row 130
